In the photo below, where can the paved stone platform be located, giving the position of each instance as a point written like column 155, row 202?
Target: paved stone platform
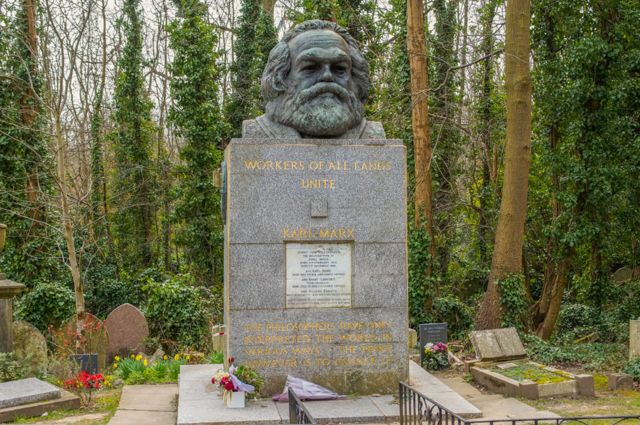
column 147, row 405
column 199, row 403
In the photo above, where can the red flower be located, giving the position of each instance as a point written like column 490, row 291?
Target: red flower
column 213, row 380
column 229, row 386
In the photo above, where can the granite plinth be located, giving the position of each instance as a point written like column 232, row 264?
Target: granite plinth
column 282, row 194
column 23, row 391
column 66, row 400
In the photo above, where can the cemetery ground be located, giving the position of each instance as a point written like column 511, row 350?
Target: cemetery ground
column 105, row 401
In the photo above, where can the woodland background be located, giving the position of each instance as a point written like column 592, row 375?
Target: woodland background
column 114, row 116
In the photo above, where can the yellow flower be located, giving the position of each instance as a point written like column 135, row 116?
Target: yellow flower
column 188, row 357
column 176, row 357
column 117, row 358
column 139, row 357
column 132, row 356
column 145, row 362
column 165, row 357
column 115, row 365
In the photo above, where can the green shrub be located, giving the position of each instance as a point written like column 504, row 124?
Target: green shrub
column 105, row 291
column 250, row 376
column 633, row 369
column 46, row 304
column 590, row 356
column 514, row 301
column 11, row 369
column 177, row 312
column 579, row 320
column 457, row 314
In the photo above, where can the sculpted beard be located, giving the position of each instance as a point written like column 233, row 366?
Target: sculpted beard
column 325, row 109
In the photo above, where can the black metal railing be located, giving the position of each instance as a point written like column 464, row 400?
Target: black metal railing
column 418, row 409
column 298, row 413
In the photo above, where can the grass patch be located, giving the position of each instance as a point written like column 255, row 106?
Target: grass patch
column 534, row 373
column 104, row 401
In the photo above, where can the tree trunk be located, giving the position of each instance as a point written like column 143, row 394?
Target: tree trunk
column 67, row 225
column 417, row 51
column 507, row 253
column 29, row 109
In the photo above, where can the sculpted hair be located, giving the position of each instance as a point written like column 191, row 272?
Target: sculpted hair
column 279, row 63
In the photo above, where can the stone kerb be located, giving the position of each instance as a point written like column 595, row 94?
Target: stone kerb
column 335, row 208
column 127, row 329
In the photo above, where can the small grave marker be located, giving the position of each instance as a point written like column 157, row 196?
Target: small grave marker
column 30, row 345
column 127, row 328
column 432, row 333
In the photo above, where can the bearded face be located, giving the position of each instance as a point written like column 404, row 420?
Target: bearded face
column 320, row 99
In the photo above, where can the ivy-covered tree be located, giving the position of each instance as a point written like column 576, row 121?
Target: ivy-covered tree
column 197, row 116
column 134, row 183
column 255, row 37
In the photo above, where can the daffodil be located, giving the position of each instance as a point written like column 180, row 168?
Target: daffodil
column 139, row 357
column 188, row 357
column 146, row 362
column 165, row 357
column 117, row 358
column 176, row 357
column 115, row 365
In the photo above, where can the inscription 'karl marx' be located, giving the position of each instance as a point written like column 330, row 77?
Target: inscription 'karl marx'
column 311, row 233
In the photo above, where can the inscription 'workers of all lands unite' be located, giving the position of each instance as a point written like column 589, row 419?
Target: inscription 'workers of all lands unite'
column 322, row 166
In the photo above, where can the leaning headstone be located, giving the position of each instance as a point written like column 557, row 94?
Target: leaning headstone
column 127, row 329
column 315, row 202
column 432, row 333
column 623, row 274
column 634, row 339
column 30, row 346
column 498, row 344
column 93, row 338
column 23, row 391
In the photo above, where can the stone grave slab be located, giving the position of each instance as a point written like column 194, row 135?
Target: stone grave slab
column 66, row 400
column 127, row 329
column 498, row 344
column 24, row 391
column 634, row 339
column 30, row 345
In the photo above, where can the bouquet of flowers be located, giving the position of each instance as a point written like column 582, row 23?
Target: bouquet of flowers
column 229, row 383
column 435, row 356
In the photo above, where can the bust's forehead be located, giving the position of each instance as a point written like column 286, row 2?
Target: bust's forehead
column 317, row 39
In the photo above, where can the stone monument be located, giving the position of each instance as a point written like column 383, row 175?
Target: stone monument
column 8, row 290
column 314, row 200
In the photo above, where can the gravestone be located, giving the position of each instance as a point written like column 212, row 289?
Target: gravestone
column 432, row 333
column 94, row 338
column 23, row 391
column 127, row 329
column 315, row 232
column 634, row 339
column 498, row 344
column 30, row 346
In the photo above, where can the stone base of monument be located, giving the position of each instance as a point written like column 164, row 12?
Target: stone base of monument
column 32, row 397
column 200, row 403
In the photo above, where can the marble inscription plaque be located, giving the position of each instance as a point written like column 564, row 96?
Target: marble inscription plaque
column 318, row 275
